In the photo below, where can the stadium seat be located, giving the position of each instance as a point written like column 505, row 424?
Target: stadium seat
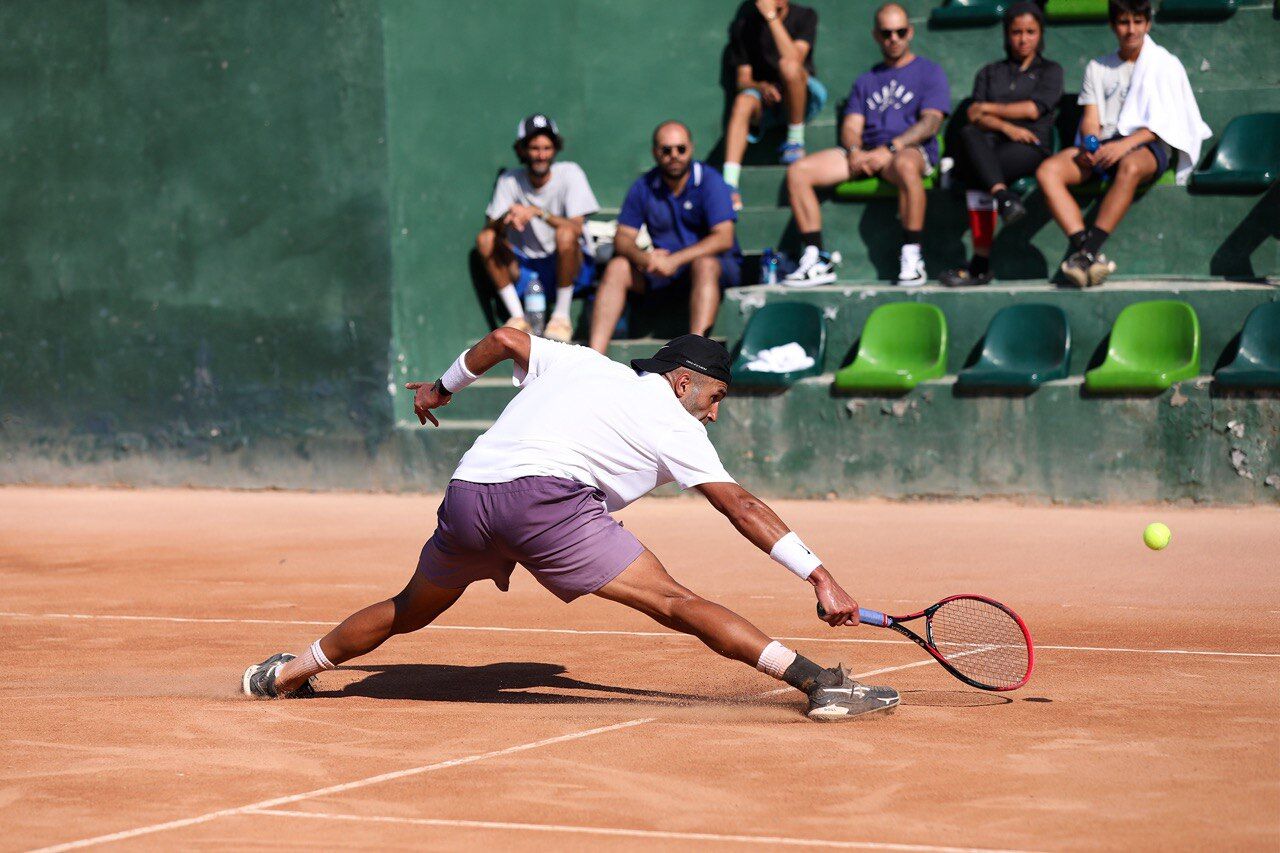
column 865, row 188
column 968, row 13
column 1246, row 160
column 776, row 324
column 1025, row 346
column 902, row 344
column 1153, row 345
column 1197, row 10
column 1257, row 363
column 1076, row 10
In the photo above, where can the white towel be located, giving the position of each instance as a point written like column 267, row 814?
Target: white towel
column 1160, row 99
column 781, row 359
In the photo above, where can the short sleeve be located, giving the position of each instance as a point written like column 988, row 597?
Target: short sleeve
column 982, row 84
column 807, row 29
column 856, row 104
column 737, row 52
column 632, row 213
column 579, row 200
column 718, row 199
column 1089, row 85
column 1048, row 89
column 504, row 195
column 690, row 458
column 545, row 354
column 937, row 92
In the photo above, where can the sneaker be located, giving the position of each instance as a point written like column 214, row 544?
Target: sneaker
column 1011, row 209
column 559, row 329
column 736, row 198
column 1100, row 269
column 848, row 699
column 519, row 323
column 911, row 271
column 259, row 680
column 1076, row 268
column 790, row 152
column 964, row 278
column 815, row 267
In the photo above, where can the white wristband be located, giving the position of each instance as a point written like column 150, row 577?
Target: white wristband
column 457, row 376
column 792, row 553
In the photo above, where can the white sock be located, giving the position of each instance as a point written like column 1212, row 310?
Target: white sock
column 511, row 299
column 775, row 659
column 795, row 133
column 564, row 298
column 305, row 665
column 732, row 172
column 911, row 250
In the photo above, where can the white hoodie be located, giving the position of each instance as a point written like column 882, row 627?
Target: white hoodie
column 1160, row 99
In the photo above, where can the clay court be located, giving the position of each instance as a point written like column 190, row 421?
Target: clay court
column 1151, row 719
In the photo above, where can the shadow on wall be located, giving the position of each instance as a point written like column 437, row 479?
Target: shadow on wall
column 1233, row 259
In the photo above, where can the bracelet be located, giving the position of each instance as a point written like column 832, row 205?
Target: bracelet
column 457, row 376
column 795, row 556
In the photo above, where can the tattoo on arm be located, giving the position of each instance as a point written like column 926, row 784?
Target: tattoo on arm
column 923, row 130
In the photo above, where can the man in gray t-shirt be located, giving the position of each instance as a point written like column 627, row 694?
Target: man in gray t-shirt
column 534, row 225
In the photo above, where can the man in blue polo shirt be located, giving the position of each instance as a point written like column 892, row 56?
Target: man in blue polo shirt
column 688, row 210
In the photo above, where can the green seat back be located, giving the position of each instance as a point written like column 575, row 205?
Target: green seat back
column 1257, row 363
column 775, row 324
column 902, row 344
column 1153, row 344
column 1197, row 10
column 1247, row 158
column 968, row 13
column 1076, row 10
column 1024, row 346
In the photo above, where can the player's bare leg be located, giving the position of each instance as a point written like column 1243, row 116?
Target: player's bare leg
column 646, row 586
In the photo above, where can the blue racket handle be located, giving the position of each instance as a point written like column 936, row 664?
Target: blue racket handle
column 865, row 616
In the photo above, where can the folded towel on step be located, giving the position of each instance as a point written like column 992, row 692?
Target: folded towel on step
column 780, row 359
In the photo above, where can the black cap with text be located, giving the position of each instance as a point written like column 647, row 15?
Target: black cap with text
column 697, row 353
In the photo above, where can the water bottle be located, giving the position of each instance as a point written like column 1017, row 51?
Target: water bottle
column 1091, row 144
column 772, row 277
column 535, row 306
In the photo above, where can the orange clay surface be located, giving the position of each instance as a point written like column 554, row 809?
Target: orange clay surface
column 1152, row 719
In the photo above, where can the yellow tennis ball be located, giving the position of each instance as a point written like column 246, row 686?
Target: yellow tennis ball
column 1156, row 536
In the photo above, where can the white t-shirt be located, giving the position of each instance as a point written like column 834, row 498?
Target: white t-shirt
column 1106, row 84
column 566, row 193
column 582, row 416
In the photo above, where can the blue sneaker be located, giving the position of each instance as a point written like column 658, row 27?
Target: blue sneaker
column 790, row 152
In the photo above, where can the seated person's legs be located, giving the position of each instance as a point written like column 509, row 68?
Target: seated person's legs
column 746, row 111
column 804, row 177
column 569, row 273
column 906, row 171
column 708, row 277
column 500, row 264
column 619, row 278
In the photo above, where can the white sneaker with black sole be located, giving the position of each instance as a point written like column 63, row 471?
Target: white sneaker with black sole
column 911, row 270
column 816, row 267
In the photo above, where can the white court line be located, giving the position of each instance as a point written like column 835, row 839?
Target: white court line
column 335, row 789
column 655, row 834
column 593, row 632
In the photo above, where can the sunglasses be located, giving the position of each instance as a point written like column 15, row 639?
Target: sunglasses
column 900, row 33
column 668, row 150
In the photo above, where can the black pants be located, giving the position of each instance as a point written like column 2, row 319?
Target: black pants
column 992, row 158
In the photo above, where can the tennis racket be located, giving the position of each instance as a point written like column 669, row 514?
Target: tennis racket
column 977, row 639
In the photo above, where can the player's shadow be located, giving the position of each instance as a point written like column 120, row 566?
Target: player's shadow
column 952, row 698
column 510, row 683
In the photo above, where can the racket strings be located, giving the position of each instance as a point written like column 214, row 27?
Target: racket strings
column 982, row 641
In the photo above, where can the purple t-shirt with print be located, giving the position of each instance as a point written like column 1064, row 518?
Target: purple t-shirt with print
column 891, row 100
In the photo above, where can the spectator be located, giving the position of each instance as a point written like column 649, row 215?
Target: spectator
column 685, row 206
column 534, row 226
column 889, row 129
column 1010, row 132
column 771, row 48
column 1139, row 103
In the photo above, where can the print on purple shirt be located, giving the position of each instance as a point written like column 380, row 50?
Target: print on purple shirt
column 891, row 100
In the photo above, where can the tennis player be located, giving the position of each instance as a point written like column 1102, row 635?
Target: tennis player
column 585, row 437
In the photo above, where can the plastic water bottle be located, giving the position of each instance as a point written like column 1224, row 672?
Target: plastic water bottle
column 535, row 306
column 771, row 269
column 1091, row 143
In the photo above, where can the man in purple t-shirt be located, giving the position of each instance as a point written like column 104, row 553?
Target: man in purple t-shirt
column 889, row 129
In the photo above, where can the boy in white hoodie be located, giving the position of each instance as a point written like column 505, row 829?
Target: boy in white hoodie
column 1138, row 104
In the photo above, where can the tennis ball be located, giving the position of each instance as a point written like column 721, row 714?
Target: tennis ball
column 1156, row 536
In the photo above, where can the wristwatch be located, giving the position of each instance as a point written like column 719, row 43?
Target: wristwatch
column 892, row 146
column 543, row 215
column 772, row 18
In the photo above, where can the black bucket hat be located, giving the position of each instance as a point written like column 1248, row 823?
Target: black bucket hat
column 538, row 124
column 697, row 353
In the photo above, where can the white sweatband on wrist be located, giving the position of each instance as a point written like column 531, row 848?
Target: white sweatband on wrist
column 457, row 376
column 793, row 554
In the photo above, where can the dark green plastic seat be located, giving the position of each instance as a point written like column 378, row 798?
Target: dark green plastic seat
column 1257, row 364
column 1246, row 160
column 968, row 13
column 903, row 343
column 1153, row 345
column 1025, row 346
column 1197, row 10
column 773, row 325
column 865, row 188
column 1076, row 10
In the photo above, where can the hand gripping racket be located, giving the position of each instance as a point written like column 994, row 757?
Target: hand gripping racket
column 976, row 639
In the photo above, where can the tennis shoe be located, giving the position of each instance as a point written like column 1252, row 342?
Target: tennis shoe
column 559, row 329
column 520, row 324
column 259, row 680
column 1100, row 269
column 1076, row 268
column 911, row 271
column 816, row 267
column 790, row 152
column 848, row 699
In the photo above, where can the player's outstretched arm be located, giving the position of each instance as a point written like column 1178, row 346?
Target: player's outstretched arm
column 761, row 526
column 496, row 347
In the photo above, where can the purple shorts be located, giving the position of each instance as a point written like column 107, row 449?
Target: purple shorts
column 556, row 528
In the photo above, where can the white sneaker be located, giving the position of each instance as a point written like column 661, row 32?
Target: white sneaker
column 911, row 270
column 816, row 267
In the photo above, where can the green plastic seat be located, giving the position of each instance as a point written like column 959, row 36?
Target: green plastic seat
column 773, row 325
column 1153, row 345
column 1197, row 10
column 1246, row 160
column 1076, row 10
column 968, row 13
column 1257, row 364
column 865, row 188
column 903, row 343
column 1025, row 346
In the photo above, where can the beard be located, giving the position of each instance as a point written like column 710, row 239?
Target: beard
column 675, row 169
